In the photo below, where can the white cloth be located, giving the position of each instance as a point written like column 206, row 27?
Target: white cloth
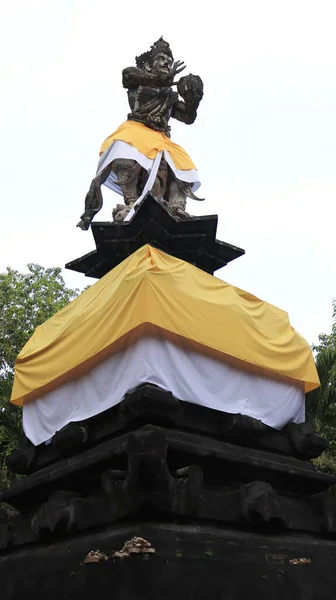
column 120, row 149
column 189, row 375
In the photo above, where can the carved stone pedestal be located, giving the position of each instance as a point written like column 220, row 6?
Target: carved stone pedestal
column 193, row 561
column 229, row 507
column 193, row 240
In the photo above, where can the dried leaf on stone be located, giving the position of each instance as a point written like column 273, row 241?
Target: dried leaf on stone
column 136, row 545
column 300, row 561
column 94, row 556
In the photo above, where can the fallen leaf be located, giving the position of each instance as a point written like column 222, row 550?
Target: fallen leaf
column 136, row 545
column 94, row 556
column 300, row 561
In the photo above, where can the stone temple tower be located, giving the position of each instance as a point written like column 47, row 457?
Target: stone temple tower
column 166, row 452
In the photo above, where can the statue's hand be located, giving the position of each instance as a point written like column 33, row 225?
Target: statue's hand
column 177, row 68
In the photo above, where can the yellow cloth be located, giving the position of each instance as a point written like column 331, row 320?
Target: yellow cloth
column 149, row 142
column 151, row 290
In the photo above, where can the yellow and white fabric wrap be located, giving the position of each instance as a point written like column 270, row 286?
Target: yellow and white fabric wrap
column 135, row 141
column 152, row 293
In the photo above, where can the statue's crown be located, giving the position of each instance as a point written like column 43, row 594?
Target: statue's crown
column 160, row 46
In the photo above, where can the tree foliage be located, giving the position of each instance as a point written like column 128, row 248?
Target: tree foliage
column 321, row 403
column 26, row 301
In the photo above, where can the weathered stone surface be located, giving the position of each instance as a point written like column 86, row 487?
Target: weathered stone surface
column 306, row 443
column 191, row 561
column 152, row 464
column 21, row 460
column 150, row 404
column 193, row 240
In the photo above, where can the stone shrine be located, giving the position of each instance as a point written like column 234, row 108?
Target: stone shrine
column 166, row 452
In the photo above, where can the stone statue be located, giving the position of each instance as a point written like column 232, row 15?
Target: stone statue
column 139, row 156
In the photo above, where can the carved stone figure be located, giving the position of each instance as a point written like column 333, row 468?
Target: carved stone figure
column 139, row 156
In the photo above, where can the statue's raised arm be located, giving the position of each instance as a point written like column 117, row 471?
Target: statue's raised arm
column 190, row 88
column 139, row 156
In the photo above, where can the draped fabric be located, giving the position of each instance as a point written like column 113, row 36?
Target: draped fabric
column 135, row 141
column 152, row 293
column 149, row 142
column 188, row 374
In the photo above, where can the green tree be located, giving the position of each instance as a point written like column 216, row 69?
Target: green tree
column 321, row 403
column 26, row 301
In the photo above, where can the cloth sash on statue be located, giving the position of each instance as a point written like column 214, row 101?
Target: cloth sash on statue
column 146, row 146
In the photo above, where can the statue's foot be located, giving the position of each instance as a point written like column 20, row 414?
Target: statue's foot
column 181, row 214
column 84, row 225
column 163, row 202
column 120, row 212
column 177, row 212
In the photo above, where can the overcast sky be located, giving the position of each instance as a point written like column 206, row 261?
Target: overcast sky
column 264, row 141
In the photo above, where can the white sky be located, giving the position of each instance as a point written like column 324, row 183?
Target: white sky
column 264, row 141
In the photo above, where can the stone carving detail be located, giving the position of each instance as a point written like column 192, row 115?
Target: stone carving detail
column 306, row 443
column 21, row 460
column 148, row 478
column 57, row 512
column 148, row 402
column 153, row 101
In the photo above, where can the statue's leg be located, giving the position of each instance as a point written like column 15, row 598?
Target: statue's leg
column 176, row 200
column 127, row 172
column 178, row 192
column 160, row 186
column 94, row 199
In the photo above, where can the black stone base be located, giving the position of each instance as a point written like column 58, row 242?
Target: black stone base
column 191, row 562
column 149, row 404
column 230, row 507
column 192, row 240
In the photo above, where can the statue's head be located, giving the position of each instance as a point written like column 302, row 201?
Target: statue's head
column 159, row 59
